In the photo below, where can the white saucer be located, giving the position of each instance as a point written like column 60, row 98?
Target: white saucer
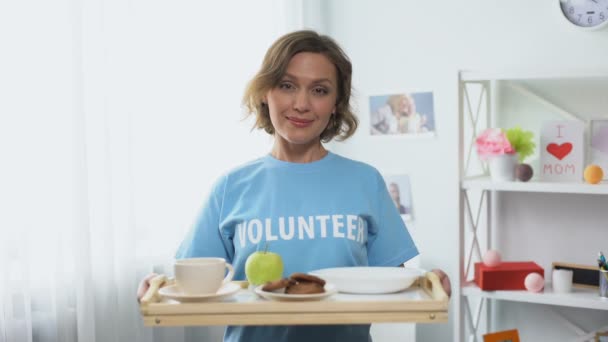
column 330, row 289
column 175, row 293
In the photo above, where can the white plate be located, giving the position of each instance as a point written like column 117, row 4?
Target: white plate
column 330, row 289
column 370, row 280
column 175, row 293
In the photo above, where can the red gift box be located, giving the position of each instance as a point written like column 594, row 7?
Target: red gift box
column 505, row 276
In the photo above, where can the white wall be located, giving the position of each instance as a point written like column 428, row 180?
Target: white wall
column 420, row 45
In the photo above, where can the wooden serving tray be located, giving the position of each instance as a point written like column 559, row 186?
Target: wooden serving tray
column 424, row 302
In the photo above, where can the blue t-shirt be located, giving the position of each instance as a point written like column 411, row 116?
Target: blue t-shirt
column 333, row 212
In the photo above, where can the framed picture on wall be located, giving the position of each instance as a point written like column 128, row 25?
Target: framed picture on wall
column 502, row 336
column 598, row 141
column 400, row 190
column 402, row 114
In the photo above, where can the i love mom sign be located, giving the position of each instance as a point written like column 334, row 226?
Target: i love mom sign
column 561, row 151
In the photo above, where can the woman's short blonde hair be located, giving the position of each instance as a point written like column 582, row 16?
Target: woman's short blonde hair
column 343, row 122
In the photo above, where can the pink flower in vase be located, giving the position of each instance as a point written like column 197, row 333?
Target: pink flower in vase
column 493, row 142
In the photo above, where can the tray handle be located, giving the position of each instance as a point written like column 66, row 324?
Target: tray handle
column 431, row 284
column 151, row 294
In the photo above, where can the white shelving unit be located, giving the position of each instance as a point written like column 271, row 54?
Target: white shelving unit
column 478, row 219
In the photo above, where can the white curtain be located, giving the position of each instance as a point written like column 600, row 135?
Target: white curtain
column 115, row 118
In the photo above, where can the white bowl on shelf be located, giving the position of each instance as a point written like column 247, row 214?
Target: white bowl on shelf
column 369, row 280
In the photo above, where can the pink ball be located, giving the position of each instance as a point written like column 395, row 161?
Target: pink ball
column 534, row 282
column 491, row 258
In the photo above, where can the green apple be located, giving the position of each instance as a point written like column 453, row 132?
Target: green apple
column 263, row 266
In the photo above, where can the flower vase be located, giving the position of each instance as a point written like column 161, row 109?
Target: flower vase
column 502, row 167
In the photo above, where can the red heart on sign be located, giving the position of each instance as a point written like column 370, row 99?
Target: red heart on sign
column 559, row 151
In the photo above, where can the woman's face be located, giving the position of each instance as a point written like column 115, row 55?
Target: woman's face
column 301, row 104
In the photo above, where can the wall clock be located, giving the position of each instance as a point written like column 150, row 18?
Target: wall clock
column 585, row 14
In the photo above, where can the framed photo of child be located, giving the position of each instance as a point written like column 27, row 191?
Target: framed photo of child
column 402, row 114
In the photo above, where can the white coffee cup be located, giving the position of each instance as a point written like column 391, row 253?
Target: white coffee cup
column 562, row 281
column 202, row 275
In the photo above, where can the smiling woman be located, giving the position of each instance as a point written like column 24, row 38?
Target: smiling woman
column 305, row 200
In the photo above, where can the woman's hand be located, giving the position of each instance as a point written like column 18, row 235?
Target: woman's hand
column 445, row 281
column 144, row 285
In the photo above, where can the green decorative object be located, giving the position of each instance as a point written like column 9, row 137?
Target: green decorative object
column 521, row 141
